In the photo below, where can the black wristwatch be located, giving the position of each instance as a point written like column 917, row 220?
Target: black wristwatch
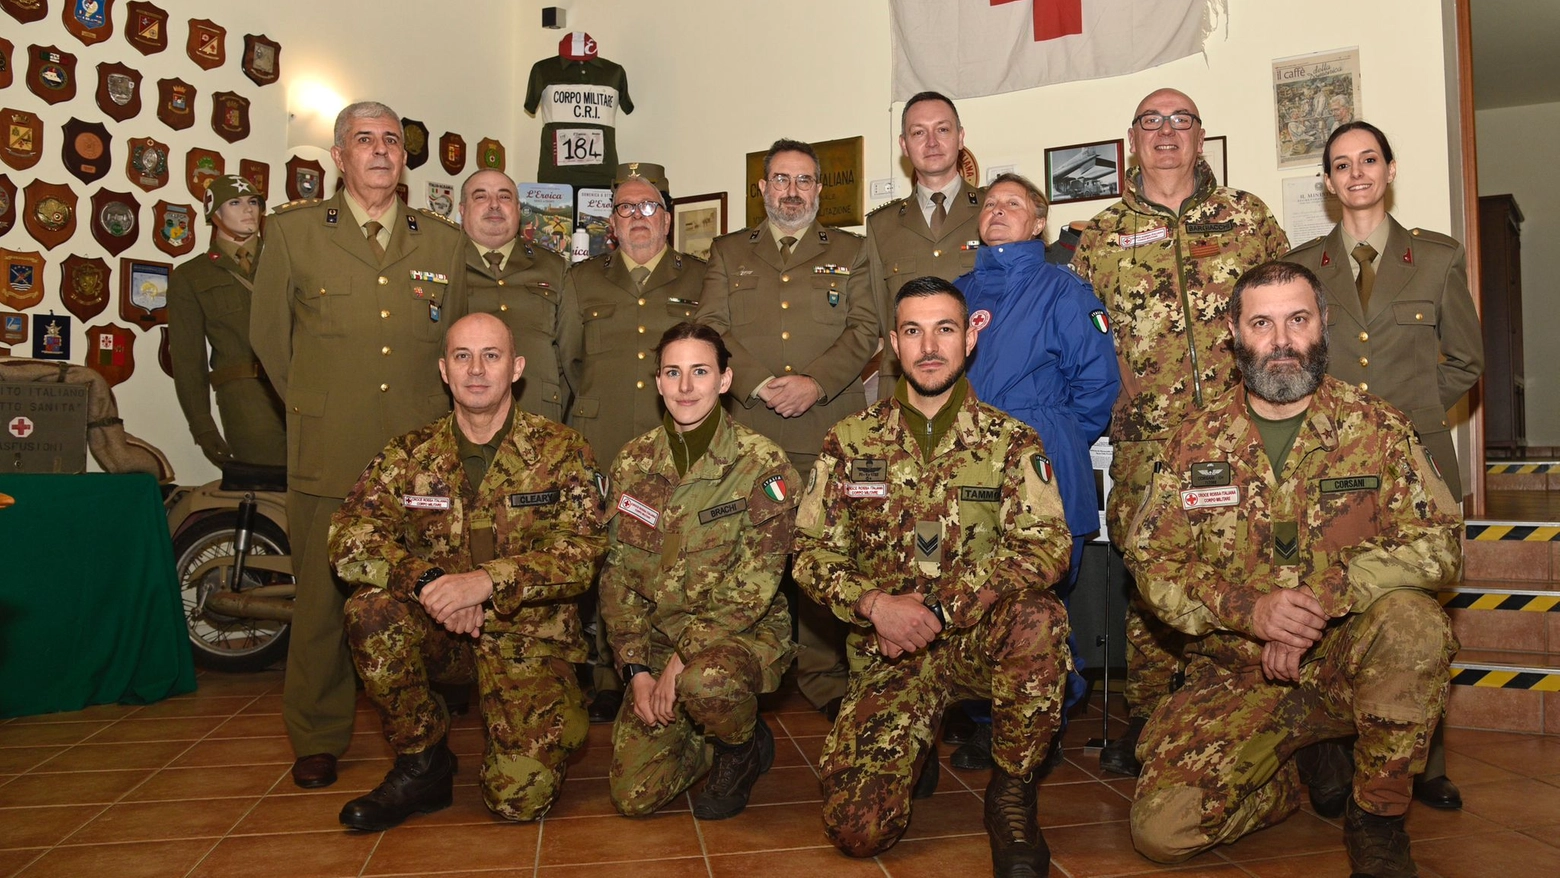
column 428, row 576
column 630, row 671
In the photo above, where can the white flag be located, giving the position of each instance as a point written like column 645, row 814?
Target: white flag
column 969, row 48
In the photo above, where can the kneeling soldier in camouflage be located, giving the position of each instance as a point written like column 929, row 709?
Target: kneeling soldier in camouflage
column 701, row 520
column 469, row 541
column 931, row 523
column 1298, row 530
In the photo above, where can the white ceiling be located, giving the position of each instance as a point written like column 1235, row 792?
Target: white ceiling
column 1515, row 59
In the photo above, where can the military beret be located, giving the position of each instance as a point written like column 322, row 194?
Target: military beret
column 226, row 188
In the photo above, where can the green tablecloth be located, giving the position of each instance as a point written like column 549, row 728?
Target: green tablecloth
column 90, row 611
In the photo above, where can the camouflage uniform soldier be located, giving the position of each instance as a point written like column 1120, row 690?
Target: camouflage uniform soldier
column 208, row 302
column 1298, row 531
column 1163, row 259
column 469, row 540
column 932, row 525
column 700, row 525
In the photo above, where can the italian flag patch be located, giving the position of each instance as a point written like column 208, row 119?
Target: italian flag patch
column 1042, row 467
column 774, row 488
column 1100, row 320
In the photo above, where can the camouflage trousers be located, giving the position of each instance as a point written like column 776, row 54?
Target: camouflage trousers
column 532, row 706
column 1016, row 656
column 1216, row 754
column 717, row 697
column 1154, row 649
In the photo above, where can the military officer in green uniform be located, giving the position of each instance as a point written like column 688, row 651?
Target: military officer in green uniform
column 351, row 301
column 934, row 229
column 468, row 540
column 793, row 302
column 208, row 303
column 1297, row 532
column 932, row 525
column 614, row 308
column 701, row 516
column 520, row 282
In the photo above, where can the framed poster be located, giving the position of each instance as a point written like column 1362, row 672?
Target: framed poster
column 1213, row 150
column 1312, row 95
column 1084, row 171
column 697, row 220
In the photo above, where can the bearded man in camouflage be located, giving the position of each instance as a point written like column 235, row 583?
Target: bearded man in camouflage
column 469, row 541
column 932, row 525
column 1298, row 532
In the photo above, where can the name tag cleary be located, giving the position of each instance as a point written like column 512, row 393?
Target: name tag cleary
column 535, row 498
column 1147, row 237
column 718, row 512
column 1351, row 483
column 639, row 509
column 979, row 494
column 420, row 501
column 866, row 489
column 1201, row 498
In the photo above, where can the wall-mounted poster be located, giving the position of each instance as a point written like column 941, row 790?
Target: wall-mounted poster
column 697, row 220
column 1084, row 171
column 1215, row 152
column 547, row 215
column 1312, row 95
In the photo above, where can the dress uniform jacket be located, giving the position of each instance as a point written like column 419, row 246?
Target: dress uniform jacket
column 350, row 341
column 525, row 295
column 1421, row 346
column 208, row 299
column 607, row 334
column 707, row 571
column 900, row 247
column 807, row 313
column 1357, row 512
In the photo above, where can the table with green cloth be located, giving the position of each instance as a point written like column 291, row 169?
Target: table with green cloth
column 90, row 611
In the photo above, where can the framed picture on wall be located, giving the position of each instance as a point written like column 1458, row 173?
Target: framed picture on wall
column 1084, row 172
column 1213, row 150
column 698, row 220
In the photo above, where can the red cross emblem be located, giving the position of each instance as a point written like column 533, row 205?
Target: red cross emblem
column 20, row 427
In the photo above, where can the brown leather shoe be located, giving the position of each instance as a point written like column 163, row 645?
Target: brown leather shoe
column 314, row 771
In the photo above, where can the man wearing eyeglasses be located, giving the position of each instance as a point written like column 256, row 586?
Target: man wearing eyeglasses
column 793, row 302
column 518, row 282
column 933, row 230
column 1164, row 259
column 615, row 307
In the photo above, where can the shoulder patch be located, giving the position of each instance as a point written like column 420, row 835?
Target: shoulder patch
column 1042, row 465
column 1100, row 321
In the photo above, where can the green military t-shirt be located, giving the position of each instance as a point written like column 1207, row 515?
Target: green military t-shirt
column 1277, row 436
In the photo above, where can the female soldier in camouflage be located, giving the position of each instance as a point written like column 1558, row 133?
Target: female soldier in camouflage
column 700, row 519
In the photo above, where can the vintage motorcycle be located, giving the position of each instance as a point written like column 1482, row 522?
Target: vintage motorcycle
column 234, row 566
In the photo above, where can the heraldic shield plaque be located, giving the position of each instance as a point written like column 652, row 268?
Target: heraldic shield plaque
column 84, row 286
column 143, row 291
column 118, row 91
column 49, row 213
column 114, row 220
column 111, row 351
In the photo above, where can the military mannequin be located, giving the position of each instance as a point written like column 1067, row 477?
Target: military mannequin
column 614, row 308
column 517, row 282
column 933, row 230
column 792, row 301
column 208, row 302
column 351, row 302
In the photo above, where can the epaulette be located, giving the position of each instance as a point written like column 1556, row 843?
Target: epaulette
column 1434, row 237
column 293, row 205
column 729, row 235
column 882, row 207
column 845, row 231
column 691, row 257
column 438, row 216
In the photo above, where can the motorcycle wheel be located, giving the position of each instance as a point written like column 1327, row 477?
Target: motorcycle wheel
column 226, row 643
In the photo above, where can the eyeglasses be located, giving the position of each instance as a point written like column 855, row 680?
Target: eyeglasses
column 646, row 209
column 804, row 182
column 1155, row 121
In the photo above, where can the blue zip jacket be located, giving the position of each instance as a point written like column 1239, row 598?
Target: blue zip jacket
column 1045, row 356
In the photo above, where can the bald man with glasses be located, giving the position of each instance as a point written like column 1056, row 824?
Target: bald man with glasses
column 794, row 303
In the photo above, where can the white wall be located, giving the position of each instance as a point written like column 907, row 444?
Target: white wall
column 1516, row 157
column 452, row 75
column 712, row 80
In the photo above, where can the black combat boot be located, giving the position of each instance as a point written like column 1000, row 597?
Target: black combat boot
column 736, row 769
column 1018, row 850
column 974, row 754
column 1120, row 755
column 1377, row 846
column 931, row 773
column 1327, row 768
column 418, row 783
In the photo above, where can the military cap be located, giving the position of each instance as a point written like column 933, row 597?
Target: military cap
column 655, row 175
column 226, row 188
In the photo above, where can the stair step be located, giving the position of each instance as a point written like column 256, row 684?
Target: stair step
column 1505, row 690
column 1495, row 549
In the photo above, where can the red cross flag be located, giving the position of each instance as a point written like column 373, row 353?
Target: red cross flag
column 970, row 48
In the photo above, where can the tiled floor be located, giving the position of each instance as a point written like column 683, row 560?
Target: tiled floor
column 198, row 786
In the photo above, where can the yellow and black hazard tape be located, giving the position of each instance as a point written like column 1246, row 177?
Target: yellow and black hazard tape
column 1505, row 677
column 1500, row 599
column 1496, row 469
column 1523, row 531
